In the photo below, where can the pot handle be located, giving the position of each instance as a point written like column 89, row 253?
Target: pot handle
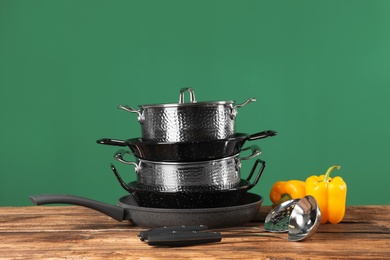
column 108, row 141
column 256, row 180
column 119, row 157
column 261, row 135
column 119, row 178
column 127, row 108
column 256, row 151
column 192, row 95
column 234, row 108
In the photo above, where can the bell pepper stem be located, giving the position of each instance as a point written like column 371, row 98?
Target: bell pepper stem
column 283, row 198
column 331, row 168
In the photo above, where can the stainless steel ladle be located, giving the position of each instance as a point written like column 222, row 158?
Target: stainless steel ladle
column 305, row 219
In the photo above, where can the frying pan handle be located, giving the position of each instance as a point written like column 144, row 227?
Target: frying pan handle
column 119, row 157
column 260, row 172
column 108, row 141
column 263, row 134
column 116, row 212
column 127, row 108
column 122, row 183
column 192, row 95
column 256, row 151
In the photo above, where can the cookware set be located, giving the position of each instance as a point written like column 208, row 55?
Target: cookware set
column 187, row 166
column 206, row 172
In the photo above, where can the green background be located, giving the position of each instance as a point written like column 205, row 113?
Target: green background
column 319, row 71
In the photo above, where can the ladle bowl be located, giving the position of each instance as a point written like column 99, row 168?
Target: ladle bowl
column 305, row 219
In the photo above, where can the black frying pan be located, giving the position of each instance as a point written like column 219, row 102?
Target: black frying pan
column 128, row 209
column 187, row 151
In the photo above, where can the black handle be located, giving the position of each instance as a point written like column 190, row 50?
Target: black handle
column 113, row 211
column 263, row 134
column 259, row 173
column 184, row 238
column 143, row 235
column 120, row 180
column 108, row 141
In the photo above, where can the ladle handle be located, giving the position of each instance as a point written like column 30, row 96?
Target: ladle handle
column 116, row 212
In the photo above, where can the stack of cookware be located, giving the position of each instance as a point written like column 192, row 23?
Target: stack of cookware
column 189, row 155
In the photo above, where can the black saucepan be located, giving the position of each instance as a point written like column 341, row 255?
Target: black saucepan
column 187, row 151
column 128, row 209
column 191, row 198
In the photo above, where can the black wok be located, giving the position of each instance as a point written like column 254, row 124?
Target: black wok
column 191, row 198
column 187, row 151
column 128, row 209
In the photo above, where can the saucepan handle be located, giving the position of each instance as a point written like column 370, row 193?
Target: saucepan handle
column 256, row 151
column 261, row 135
column 234, row 112
column 127, row 108
column 260, row 172
column 108, row 141
column 119, row 178
column 119, row 157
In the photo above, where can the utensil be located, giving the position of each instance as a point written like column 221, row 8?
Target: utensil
column 303, row 223
column 187, row 151
column 194, row 197
column 193, row 121
column 128, row 209
column 220, row 174
column 278, row 218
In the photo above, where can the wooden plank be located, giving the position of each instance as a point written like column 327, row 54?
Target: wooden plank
column 77, row 232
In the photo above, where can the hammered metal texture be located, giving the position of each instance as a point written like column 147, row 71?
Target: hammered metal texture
column 209, row 175
column 187, row 123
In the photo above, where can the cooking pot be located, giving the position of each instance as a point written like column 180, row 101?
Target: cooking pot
column 128, row 209
column 187, row 151
column 183, row 122
column 193, row 198
column 217, row 174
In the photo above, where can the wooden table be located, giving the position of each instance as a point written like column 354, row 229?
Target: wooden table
column 81, row 233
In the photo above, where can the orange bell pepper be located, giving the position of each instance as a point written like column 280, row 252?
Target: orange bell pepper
column 286, row 190
column 330, row 193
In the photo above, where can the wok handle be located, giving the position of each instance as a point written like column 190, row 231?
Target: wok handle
column 261, row 135
column 260, row 172
column 108, row 141
column 116, row 212
column 183, row 238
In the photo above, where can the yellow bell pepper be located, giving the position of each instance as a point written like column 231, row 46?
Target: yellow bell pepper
column 330, row 193
column 286, row 190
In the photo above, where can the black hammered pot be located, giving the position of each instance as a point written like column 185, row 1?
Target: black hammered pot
column 192, row 199
column 187, row 151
